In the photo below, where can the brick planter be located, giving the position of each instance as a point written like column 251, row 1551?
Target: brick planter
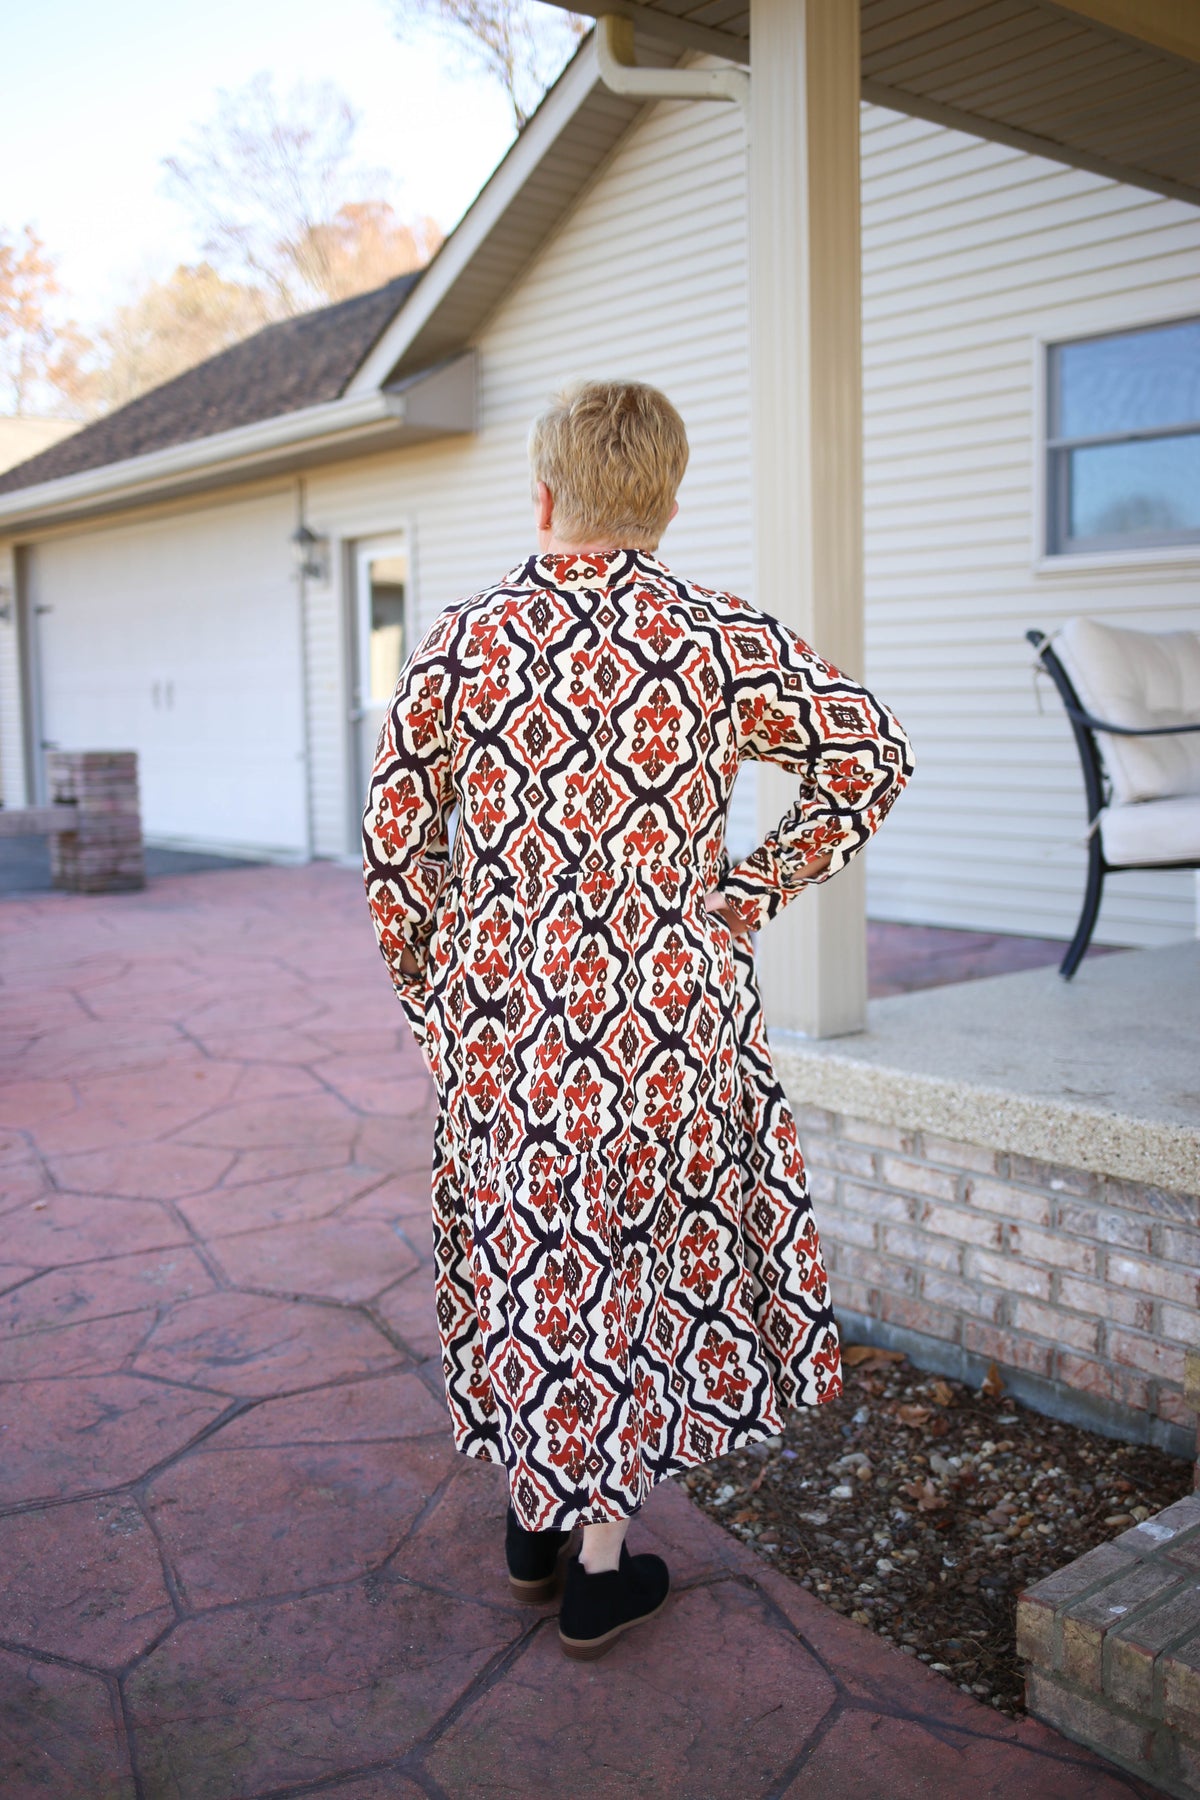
column 1084, row 1288
column 1112, row 1644
column 103, row 854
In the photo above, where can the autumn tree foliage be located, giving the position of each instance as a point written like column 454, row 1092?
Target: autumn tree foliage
column 42, row 354
column 168, row 327
column 287, row 219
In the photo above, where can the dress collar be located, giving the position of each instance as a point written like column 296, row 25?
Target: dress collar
column 590, row 568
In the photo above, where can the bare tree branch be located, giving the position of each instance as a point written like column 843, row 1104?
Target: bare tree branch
column 276, row 193
column 522, row 44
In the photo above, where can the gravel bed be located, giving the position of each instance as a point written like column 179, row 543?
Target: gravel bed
column 921, row 1508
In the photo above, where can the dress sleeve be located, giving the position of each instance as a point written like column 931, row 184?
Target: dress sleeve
column 849, row 753
column 411, row 796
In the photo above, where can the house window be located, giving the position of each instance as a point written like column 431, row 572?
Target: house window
column 1123, row 444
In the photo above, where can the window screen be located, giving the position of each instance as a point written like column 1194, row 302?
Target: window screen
column 1123, row 445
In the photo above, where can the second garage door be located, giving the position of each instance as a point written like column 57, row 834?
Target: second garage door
column 179, row 638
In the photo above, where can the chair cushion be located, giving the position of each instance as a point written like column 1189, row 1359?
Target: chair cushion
column 1139, row 679
column 1152, row 831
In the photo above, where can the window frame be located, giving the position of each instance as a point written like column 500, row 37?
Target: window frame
column 345, row 545
column 1056, row 542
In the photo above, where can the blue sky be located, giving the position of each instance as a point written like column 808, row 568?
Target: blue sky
column 95, row 97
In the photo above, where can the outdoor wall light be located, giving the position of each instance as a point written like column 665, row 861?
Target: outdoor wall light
column 312, row 554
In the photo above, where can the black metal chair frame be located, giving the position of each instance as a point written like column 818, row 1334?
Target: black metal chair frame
column 1098, row 790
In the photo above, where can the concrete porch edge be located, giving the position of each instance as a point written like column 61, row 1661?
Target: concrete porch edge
column 1102, row 1074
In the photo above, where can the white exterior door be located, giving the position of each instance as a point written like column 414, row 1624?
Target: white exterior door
column 180, row 638
column 381, row 639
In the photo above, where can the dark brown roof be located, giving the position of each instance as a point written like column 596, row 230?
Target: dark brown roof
column 281, row 369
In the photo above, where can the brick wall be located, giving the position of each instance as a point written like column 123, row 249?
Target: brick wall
column 1081, row 1287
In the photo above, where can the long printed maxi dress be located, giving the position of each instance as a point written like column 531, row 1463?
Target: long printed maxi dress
column 629, row 1277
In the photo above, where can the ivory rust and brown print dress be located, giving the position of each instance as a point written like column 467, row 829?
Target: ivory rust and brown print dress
column 629, row 1278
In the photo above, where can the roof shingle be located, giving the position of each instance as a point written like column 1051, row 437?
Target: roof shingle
column 281, row 369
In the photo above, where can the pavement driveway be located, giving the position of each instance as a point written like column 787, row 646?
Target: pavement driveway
column 238, row 1557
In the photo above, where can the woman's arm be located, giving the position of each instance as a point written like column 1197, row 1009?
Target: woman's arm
column 411, row 796
column 850, row 755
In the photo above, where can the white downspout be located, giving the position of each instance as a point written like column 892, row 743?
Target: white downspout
column 621, row 75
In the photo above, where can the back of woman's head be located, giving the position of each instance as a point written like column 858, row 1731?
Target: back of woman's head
column 612, row 454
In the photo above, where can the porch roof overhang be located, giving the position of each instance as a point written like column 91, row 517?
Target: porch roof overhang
column 1107, row 85
column 437, row 402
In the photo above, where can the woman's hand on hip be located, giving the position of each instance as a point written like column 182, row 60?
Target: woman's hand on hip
column 715, row 902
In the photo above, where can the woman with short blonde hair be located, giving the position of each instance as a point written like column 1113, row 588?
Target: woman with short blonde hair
column 612, row 453
column 630, row 1279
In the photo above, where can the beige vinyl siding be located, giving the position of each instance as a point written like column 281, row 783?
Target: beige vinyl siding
column 12, row 738
column 970, row 251
column 645, row 278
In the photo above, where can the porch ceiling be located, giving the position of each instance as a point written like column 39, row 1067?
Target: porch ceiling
column 1109, row 85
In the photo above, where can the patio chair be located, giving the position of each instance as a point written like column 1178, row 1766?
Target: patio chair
column 1138, row 691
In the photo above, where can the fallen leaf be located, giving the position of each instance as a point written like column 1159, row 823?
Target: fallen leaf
column 913, row 1415
column 925, row 1494
column 993, row 1385
column 941, row 1393
column 855, row 1354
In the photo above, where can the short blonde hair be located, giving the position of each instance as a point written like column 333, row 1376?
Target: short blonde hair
column 612, row 454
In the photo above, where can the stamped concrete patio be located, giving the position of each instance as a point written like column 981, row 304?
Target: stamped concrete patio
column 237, row 1555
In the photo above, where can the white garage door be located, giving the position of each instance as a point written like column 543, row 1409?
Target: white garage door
column 180, row 639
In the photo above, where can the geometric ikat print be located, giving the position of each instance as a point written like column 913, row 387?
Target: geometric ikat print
column 629, row 1276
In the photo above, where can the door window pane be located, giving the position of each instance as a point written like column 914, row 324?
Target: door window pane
column 386, row 643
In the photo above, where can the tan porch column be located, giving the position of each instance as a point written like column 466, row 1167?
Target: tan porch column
column 806, row 429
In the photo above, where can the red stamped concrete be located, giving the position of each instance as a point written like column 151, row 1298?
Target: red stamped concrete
column 84, row 1581
column 95, row 1347
column 346, row 1258
column 83, row 1434
column 66, row 1228
column 252, row 1699
column 238, row 1557
column 104, row 1287
column 255, row 1345
column 244, row 1524
column 407, row 1310
column 390, row 1406
column 60, row 1734
column 283, row 1200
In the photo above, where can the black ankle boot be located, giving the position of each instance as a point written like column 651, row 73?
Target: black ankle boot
column 596, row 1609
column 532, row 1558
